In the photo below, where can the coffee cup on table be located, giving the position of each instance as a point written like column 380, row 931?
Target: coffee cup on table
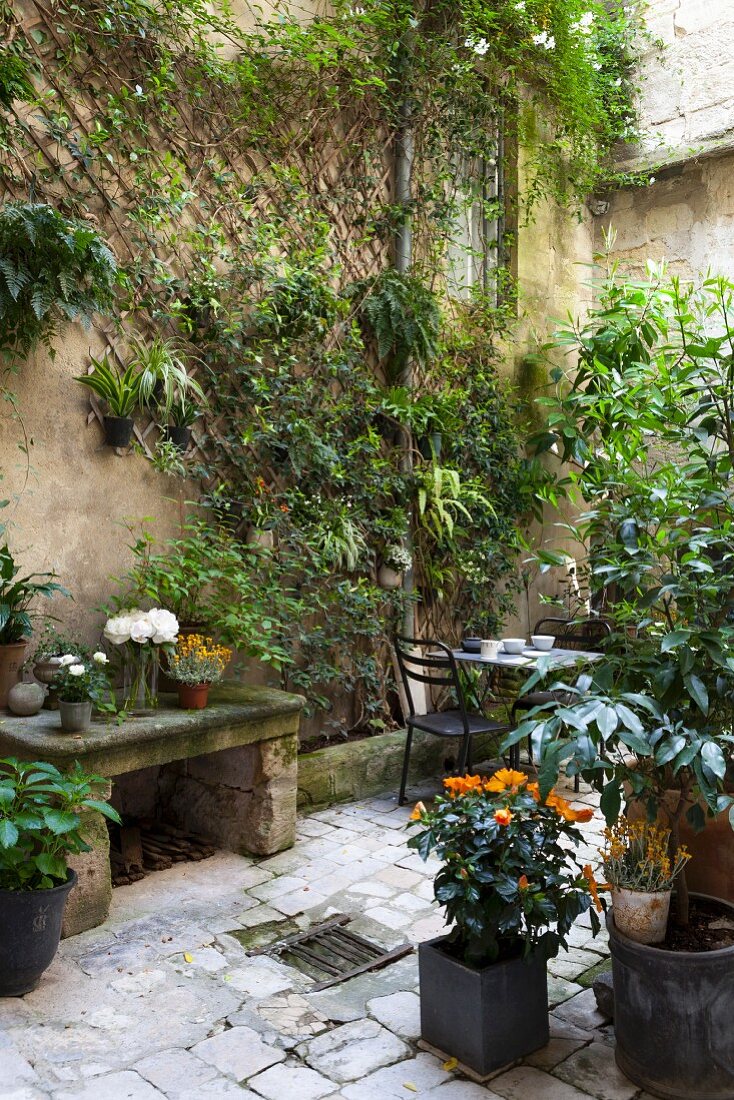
column 489, row 648
column 513, row 645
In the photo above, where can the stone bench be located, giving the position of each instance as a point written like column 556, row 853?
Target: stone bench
column 228, row 773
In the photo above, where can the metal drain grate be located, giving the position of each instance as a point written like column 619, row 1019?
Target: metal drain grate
column 331, row 950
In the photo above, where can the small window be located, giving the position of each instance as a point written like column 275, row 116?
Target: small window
column 476, row 248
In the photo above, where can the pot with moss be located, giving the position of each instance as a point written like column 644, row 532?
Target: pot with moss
column 40, row 827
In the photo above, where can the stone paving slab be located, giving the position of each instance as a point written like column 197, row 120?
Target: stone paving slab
column 163, row 1001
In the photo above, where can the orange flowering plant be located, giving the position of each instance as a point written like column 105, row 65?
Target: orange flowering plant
column 510, row 883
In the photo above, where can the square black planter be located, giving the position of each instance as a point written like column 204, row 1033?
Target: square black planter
column 485, row 1018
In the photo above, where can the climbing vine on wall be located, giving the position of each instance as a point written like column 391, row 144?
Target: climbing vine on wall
column 243, row 174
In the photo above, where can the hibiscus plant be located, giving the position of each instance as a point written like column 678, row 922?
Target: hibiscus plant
column 510, row 884
column 642, row 423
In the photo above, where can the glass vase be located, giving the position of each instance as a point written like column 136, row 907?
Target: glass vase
column 140, row 680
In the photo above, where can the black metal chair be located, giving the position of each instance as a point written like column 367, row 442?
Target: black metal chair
column 580, row 634
column 437, row 667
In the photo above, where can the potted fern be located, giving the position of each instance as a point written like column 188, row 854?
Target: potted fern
column 120, row 391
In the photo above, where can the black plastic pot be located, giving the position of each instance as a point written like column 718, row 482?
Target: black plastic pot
column 673, row 1017
column 30, row 930
column 484, row 1018
column 430, row 446
column 118, row 431
column 180, row 437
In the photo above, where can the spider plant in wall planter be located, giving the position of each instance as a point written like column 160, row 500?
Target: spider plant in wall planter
column 167, row 389
column 120, row 391
column 40, row 826
column 16, row 596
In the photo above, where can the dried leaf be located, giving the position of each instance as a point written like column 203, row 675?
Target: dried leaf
column 409, row 1086
column 450, row 1063
column 188, row 958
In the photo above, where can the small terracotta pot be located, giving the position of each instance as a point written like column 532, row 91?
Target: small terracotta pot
column 641, row 916
column 193, row 696
column 11, row 662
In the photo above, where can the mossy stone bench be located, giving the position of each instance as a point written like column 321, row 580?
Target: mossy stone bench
column 228, row 773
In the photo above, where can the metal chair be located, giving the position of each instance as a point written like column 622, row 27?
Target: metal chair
column 438, row 668
column 579, row 634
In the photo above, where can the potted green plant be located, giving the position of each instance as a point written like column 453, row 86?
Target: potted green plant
column 641, row 420
column 396, row 560
column 121, row 392
column 511, row 888
column 80, row 683
column 50, row 648
column 183, row 415
column 166, row 387
column 196, row 664
column 16, row 596
column 39, row 827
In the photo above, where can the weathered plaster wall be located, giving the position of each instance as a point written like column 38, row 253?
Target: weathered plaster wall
column 71, row 497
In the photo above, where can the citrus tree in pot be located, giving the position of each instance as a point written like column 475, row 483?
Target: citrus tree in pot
column 16, row 596
column 511, row 889
column 39, row 827
column 644, row 425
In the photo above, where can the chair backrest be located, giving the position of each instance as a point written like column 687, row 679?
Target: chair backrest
column 586, row 634
column 436, row 667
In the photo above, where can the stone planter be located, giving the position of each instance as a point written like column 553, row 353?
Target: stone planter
column 484, row 1017
column 45, row 672
column 673, row 1013
column 11, row 663
column 641, row 916
column 388, row 577
column 75, row 717
column 260, row 536
column 31, row 924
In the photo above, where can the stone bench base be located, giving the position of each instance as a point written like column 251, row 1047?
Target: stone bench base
column 227, row 773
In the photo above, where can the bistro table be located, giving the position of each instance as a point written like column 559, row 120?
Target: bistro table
column 528, row 659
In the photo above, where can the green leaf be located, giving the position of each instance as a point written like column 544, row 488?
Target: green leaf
column 674, row 639
column 697, row 691
column 713, row 760
column 611, row 801
column 8, row 834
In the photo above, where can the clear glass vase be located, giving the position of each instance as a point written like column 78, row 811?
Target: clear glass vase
column 140, row 680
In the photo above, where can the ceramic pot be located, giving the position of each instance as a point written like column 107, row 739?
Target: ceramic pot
column 118, row 431
column 26, row 699
column 640, row 915
column 75, row 717
column 260, row 536
column 483, row 1017
column 673, row 1013
column 31, row 924
column 11, row 662
column 388, row 577
column 193, row 696
column 45, row 670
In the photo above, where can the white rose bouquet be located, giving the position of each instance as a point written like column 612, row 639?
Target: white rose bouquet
column 142, row 633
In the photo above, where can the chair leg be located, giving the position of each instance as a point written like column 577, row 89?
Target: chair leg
column 577, row 783
column 465, row 756
column 406, row 763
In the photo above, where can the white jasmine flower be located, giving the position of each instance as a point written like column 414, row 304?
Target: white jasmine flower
column 596, row 65
column 651, row 181
column 547, row 41
column 68, row 659
column 77, row 670
column 138, row 89
column 481, row 47
column 520, row 5
column 100, row 658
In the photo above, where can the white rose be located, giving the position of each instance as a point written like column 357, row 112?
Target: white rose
column 100, row 658
column 117, row 630
column 165, row 624
column 142, row 628
column 77, row 670
column 68, row 659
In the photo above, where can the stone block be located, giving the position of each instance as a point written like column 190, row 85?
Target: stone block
column 113, row 1086
column 238, row 767
column 239, row 1052
column 282, row 1081
column 594, row 1070
column 603, row 987
column 175, row 1071
column 398, row 1012
column 353, row 1050
column 88, row 904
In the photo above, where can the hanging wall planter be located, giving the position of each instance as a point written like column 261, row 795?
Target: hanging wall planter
column 118, row 430
column 180, row 437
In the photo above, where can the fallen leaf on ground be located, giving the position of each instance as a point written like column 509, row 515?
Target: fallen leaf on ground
column 450, row 1064
column 188, row 958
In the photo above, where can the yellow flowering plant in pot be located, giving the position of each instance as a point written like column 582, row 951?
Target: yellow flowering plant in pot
column 641, row 869
column 511, row 888
column 196, row 664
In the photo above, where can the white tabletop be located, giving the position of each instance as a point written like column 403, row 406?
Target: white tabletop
column 529, row 657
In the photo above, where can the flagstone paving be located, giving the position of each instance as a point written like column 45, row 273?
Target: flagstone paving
column 163, row 1001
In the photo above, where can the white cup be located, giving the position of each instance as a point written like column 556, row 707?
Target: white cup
column 489, row 647
column 513, row 645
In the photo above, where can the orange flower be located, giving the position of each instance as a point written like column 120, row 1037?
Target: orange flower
column 534, row 790
column 522, row 882
column 566, row 811
column 458, row 785
column 505, row 779
column 593, row 887
column 418, row 811
column 503, row 817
